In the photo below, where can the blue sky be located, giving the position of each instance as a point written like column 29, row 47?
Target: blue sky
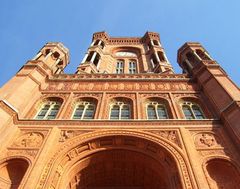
column 26, row 25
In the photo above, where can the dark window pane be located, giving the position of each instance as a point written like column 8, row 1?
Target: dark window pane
column 78, row 112
column 187, row 112
column 115, row 112
column 125, row 112
column 162, row 114
column 197, row 112
column 151, row 112
column 43, row 112
column 89, row 113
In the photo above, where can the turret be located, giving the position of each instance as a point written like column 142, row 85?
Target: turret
column 55, row 56
column 91, row 60
column 158, row 58
column 192, row 55
column 224, row 96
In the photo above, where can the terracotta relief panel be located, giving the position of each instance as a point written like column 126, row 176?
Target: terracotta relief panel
column 124, row 86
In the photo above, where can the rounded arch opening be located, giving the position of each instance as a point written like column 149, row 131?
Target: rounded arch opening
column 221, row 173
column 118, row 162
column 12, row 172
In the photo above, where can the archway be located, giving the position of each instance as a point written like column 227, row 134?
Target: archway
column 115, row 160
column 222, row 174
column 12, row 172
column 119, row 169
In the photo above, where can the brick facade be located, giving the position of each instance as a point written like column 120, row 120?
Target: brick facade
column 123, row 120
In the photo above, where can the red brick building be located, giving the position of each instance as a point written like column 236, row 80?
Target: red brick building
column 123, row 120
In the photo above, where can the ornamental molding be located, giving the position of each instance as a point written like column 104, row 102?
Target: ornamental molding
column 72, row 77
column 171, row 135
column 97, row 124
column 120, row 86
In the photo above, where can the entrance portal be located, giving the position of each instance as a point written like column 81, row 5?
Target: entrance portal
column 121, row 169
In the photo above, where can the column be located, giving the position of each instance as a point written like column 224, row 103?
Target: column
column 208, row 55
column 84, row 58
column 58, row 60
column 93, row 57
column 194, row 159
column 92, row 44
column 158, row 59
column 166, row 58
column 38, row 55
column 49, row 54
column 151, row 41
column 99, row 43
column 188, row 63
column 198, row 57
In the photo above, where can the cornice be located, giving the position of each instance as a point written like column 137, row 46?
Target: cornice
column 137, row 124
column 105, row 77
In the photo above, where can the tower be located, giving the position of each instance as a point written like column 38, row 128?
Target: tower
column 124, row 119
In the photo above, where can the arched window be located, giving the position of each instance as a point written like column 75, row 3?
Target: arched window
column 119, row 67
column 132, row 67
column 202, row 54
column 156, row 111
column 154, row 61
column 161, row 56
column 48, row 110
column 155, row 42
column 120, row 110
column 84, row 110
column 192, row 111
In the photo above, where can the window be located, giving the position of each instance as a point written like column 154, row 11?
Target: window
column 119, row 67
column 192, row 111
column 49, row 110
column 156, row 111
column 154, row 61
column 120, row 110
column 132, row 67
column 161, row 56
column 84, row 110
column 155, row 42
column 202, row 55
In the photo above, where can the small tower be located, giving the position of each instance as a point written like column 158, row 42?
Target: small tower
column 215, row 83
column 91, row 60
column 54, row 55
column 190, row 55
column 156, row 54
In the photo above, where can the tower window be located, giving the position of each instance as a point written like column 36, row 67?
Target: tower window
column 96, row 60
column 119, row 111
column 154, row 61
column 84, row 110
column 119, row 67
column 49, row 110
column 156, row 111
column 132, row 67
column 202, row 54
column 191, row 58
column 161, row 56
column 89, row 56
column 155, row 42
column 192, row 111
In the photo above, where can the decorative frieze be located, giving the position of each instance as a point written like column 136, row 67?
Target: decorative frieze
column 118, row 86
